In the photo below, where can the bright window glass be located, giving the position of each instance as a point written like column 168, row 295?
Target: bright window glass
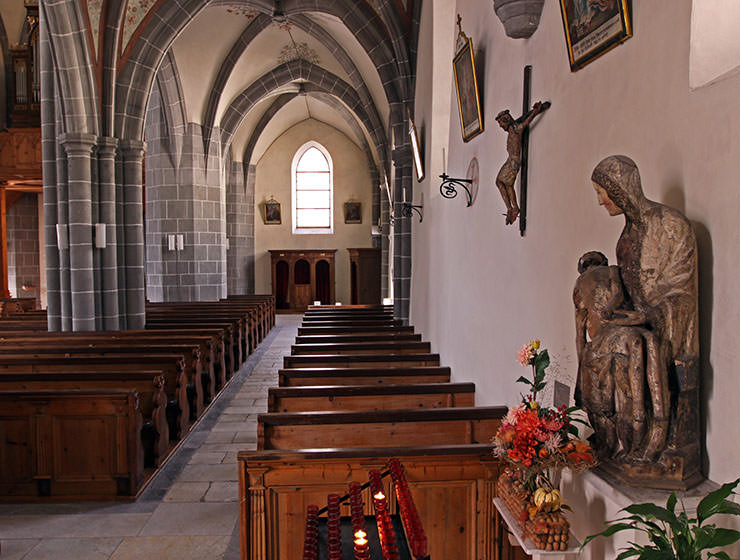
column 313, row 208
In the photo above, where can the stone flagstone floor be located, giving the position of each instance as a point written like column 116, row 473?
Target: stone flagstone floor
column 189, row 511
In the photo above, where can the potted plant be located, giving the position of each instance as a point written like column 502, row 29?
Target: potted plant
column 674, row 535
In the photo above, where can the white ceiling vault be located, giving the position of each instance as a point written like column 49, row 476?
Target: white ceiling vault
column 230, row 47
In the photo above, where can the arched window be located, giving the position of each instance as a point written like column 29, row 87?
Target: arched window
column 313, row 186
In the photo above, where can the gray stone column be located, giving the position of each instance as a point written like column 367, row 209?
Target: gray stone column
column 401, row 233
column 79, row 148
column 107, row 214
column 385, row 226
column 49, row 170
column 132, row 152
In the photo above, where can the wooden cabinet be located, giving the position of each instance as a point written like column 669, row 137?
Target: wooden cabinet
column 302, row 276
column 364, row 273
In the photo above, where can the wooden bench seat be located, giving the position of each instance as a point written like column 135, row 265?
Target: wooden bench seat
column 66, row 445
column 453, row 488
column 149, row 384
column 361, row 360
column 371, row 428
column 171, row 366
column 210, row 341
column 383, row 347
column 341, row 338
column 351, row 322
column 370, row 397
column 304, row 377
column 359, row 330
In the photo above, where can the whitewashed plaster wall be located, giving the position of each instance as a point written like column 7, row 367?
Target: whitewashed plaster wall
column 351, row 180
column 479, row 290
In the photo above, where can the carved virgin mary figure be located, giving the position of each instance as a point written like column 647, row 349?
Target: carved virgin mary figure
column 657, row 261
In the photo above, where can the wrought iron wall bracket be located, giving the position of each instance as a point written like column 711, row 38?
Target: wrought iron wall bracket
column 449, row 186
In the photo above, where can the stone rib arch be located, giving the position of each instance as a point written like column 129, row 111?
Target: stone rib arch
column 227, row 67
column 173, row 106
column 169, row 18
column 70, row 50
column 285, row 74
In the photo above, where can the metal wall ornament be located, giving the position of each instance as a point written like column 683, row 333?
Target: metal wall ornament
column 449, row 186
column 466, row 85
column 593, row 27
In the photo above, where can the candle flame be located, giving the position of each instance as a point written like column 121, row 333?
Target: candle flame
column 360, row 534
column 379, row 496
column 360, row 541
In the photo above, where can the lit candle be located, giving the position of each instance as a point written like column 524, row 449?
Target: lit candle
column 361, row 549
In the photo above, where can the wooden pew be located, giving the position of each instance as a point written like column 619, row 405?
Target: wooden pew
column 171, row 366
column 360, row 330
column 351, row 322
column 361, row 360
column 370, row 337
column 372, row 428
column 303, row 377
column 210, row 341
column 67, row 445
column 202, row 376
column 383, row 347
column 149, row 385
column 370, row 397
column 453, row 488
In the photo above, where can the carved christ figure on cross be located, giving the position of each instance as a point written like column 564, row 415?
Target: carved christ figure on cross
column 510, row 169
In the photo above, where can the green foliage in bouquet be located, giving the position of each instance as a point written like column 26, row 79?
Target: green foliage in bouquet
column 676, row 536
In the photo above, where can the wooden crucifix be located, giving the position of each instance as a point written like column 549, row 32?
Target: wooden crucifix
column 517, row 148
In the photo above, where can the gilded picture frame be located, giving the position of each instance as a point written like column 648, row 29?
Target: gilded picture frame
column 416, row 150
column 352, row 212
column 272, row 213
column 594, row 27
column 468, row 99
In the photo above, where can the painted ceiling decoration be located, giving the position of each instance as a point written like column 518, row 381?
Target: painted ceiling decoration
column 94, row 9
column 295, row 51
column 239, row 10
column 136, row 11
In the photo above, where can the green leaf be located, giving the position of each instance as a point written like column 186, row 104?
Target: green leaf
column 711, row 502
column 629, row 553
column 715, row 537
column 648, row 554
column 652, row 510
column 728, row 507
column 720, row 555
column 541, row 362
column 608, row 532
column 671, row 503
column 523, row 379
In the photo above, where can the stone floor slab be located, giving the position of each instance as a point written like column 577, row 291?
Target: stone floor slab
column 220, row 472
column 172, row 548
column 73, row 549
column 192, row 519
column 222, row 492
column 16, row 549
column 187, row 492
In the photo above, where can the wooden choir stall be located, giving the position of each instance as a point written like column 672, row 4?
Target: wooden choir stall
column 302, row 276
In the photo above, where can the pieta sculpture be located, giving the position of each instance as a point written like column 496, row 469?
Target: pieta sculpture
column 637, row 338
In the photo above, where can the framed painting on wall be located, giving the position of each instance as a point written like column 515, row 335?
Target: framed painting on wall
column 593, row 27
column 352, row 212
column 272, row 212
column 466, row 84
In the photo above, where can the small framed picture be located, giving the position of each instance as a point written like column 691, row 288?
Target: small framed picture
column 466, row 84
column 272, row 212
column 352, row 212
column 594, row 27
column 416, row 150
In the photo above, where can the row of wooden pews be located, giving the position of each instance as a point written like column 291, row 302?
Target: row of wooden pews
column 359, row 388
column 93, row 415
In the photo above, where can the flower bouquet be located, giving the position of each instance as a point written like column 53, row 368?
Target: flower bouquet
column 536, row 440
